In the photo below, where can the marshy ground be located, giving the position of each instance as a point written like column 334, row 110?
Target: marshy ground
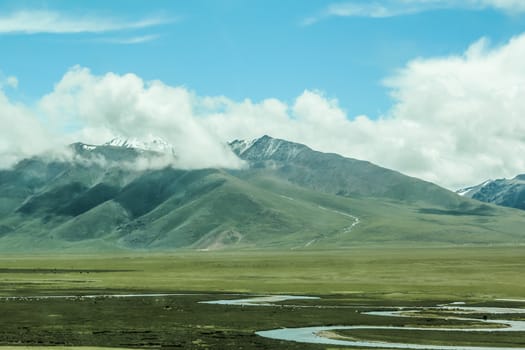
column 349, row 283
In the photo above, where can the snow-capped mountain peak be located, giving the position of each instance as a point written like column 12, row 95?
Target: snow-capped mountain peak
column 506, row 192
column 267, row 148
column 149, row 143
column 240, row 146
column 467, row 191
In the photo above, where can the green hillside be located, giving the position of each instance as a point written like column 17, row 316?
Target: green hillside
column 334, row 174
column 289, row 197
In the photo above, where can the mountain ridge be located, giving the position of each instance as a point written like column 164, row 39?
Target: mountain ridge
column 353, row 176
column 150, row 143
column 288, row 197
column 504, row 192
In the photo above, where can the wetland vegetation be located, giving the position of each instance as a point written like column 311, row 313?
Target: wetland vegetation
column 349, row 284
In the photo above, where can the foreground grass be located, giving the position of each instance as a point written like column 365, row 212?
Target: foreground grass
column 182, row 322
column 58, row 348
column 355, row 279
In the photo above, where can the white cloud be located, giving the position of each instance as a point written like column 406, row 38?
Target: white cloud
column 456, row 120
column 21, row 133
column 12, row 82
column 43, row 21
column 9, row 81
column 124, row 105
column 510, row 6
column 392, row 8
column 470, row 108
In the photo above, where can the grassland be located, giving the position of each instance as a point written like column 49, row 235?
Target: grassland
column 484, row 273
column 357, row 280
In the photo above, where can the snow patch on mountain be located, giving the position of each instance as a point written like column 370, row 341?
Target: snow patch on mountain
column 272, row 147
column 89, row 147
column 506, row 192
column 467, row 191
column 241, row 146
column 153, row 152
column 149, row 143
column 266, row 148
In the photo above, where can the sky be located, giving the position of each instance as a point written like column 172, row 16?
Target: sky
column 432, row 88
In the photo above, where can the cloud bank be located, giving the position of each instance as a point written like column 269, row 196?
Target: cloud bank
column 98, row 108
column 21, row 133
column 393, row 8
column 456, row 120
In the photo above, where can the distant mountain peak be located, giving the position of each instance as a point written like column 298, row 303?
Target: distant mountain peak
column 506, row 192
column 520, row 177
column 150, row 143
column 267, row 148
column 467, row 191
column 240, row 146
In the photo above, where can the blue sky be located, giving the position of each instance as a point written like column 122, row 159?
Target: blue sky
column 432, row 88
column 245, row 49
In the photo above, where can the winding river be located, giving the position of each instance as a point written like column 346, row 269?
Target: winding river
column 323, row 335
column 265, row 300
column 319, row 335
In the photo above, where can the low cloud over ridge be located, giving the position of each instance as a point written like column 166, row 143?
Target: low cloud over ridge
column 456, row 120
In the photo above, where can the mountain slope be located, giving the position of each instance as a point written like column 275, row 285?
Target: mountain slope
column 505, row 192
column 334, row 174
column 167, row 209
column 289, row 197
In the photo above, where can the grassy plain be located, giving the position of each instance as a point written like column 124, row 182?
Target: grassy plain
column 473, row 272
column 353, row 280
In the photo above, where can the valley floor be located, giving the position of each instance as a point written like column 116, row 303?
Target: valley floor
column 349, row 283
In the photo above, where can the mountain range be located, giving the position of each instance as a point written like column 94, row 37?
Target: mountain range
column 505, row 192
column 287, row 197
